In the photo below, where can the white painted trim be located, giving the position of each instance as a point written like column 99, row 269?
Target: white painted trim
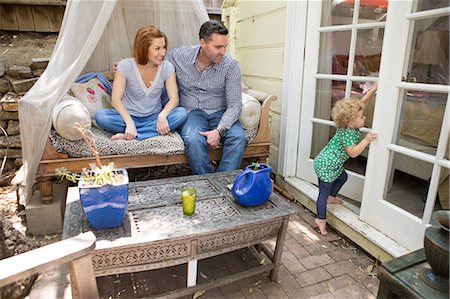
column 350, row 26
column 432, row 13
column 350, row 218
column 309, row 93
column 296, row 15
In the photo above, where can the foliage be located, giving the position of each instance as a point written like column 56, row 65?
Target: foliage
column 255, row 166
column 97, row 173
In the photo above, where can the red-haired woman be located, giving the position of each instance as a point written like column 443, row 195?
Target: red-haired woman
column 139, row 83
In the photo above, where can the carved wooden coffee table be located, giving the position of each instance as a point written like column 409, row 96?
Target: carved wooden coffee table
column 155, row 234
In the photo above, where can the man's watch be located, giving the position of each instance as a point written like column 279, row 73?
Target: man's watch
column 222, row 131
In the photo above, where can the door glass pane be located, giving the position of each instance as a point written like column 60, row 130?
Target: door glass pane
column 328, row 92
column 430, row 4
column 368, row 52
column 336, row 13
column 333, row 53
column 429, row 59
column 358, row 91
column 321, row 135
column 372, row 11
column 407, row 185
column 421, row 119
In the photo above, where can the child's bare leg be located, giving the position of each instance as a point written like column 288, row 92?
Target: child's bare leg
column 322, row 224
column 118, row 136
column 334, row 200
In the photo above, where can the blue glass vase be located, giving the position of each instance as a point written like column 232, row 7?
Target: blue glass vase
column 253, row 187
column 105, row 205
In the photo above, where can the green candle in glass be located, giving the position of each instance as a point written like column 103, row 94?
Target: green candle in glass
column 188, row 195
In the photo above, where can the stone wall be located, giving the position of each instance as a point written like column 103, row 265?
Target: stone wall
column 15, row 81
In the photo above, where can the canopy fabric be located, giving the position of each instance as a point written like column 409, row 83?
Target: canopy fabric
column 94, row 34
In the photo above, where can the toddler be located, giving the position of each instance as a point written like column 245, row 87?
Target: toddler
column 348, row 115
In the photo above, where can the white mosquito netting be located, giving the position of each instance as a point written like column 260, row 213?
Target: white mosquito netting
column 94, row 34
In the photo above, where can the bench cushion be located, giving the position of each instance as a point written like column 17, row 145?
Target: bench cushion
column 160, row 145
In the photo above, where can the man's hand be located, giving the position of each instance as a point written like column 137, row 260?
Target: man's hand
column 212, row 138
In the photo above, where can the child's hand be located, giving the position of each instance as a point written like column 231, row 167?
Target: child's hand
column 371, row 136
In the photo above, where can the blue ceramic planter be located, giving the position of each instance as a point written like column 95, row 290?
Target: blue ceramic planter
column 253, row 187
column 105, row 206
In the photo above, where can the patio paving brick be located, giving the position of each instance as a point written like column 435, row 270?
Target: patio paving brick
column 315, row 261
column 291, row 262
column 312, row 276
column 342, row 267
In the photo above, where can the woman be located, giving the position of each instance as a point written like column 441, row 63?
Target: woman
column 136, row 96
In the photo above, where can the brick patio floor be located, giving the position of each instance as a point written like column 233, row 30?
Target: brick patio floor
column 312, row 267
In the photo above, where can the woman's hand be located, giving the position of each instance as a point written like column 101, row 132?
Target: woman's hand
column 162, row 126
column 130, row 132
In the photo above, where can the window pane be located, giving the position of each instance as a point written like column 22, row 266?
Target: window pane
column 321, row 135
column 372, row 11
column 429, row 59
column 420, row 120
column 336, row 13
column 358, row 91
column 328, row 92
column 430, row 4
column 368, row 52
column 408, row 187
column 333, row 53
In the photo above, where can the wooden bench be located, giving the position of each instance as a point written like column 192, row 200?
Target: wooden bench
column 258, row 150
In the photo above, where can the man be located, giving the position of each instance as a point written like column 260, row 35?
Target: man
column 209, row 82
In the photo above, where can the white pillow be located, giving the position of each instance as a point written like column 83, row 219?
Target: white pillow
column 250, row 113
column 92, row 94
column 66, row 113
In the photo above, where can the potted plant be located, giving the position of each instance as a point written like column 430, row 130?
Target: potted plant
column 103, row 188
column 253, row 186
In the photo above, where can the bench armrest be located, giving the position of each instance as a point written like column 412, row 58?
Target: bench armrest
column 263, row 135
column 75, row 251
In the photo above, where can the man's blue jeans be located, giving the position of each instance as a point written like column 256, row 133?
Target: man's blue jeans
column 234, row 143
column 111, row 121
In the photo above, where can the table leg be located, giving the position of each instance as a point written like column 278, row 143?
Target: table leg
column 192, row 273
column 279, row 250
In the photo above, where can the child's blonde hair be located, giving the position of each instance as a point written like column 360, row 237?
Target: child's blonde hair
column 344, row 111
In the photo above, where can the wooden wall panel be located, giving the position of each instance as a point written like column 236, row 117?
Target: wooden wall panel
column 24, row 17
column 263, row 62
column 8, row 19
column 249, row 33
column 248, row 9
column 41, row 18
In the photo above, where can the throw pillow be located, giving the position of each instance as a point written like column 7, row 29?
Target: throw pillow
column 92, row 94
column 66, row 113
column 250, row 113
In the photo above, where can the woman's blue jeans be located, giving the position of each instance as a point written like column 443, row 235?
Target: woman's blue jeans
column 234, row 143
column 111, row 121
column 326, row 189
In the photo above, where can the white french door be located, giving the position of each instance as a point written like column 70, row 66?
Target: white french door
column 343, row 50
column 404, row 176
column 413, row 121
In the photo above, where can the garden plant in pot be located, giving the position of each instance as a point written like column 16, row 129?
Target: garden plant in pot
column 103, row 188
column 253, row 186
